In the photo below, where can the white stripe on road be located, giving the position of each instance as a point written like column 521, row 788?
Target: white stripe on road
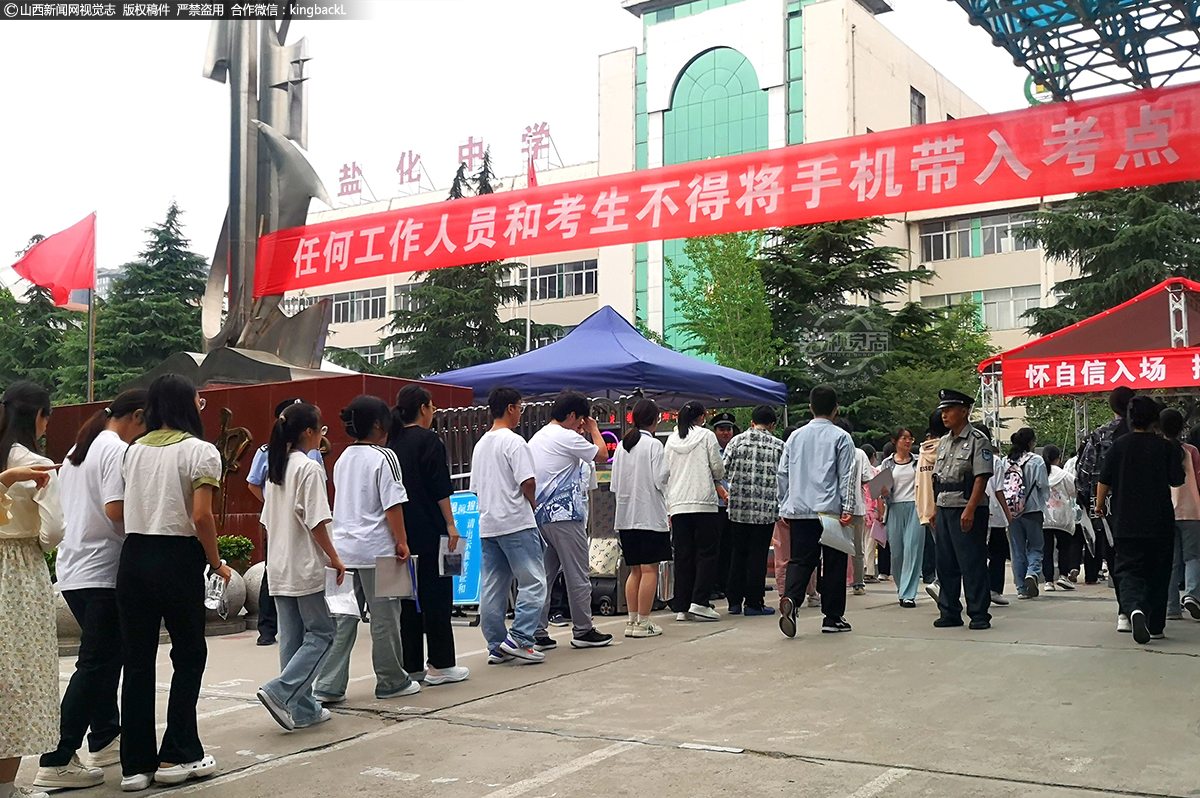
column 216, row 713
column 555, row 773
column 288, row 759
column 879, row 784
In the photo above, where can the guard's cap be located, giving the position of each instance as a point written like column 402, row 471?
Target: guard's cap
column 951, row 398
column 725, row 419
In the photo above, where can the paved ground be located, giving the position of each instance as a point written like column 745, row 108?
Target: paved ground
column 1051, row 702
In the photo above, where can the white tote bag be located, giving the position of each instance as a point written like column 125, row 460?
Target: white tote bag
column 836, row 536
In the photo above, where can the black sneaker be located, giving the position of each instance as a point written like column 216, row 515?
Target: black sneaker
column 544, row 643
column 1141, row 632
column 1192, row 606
column 908, row 604
column 835, row 626
column 265, row 640
column 591, row 639
column 945, row 623
column 977, row 625
column 558, row 619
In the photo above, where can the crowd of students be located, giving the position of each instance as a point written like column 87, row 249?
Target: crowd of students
column 131, row 514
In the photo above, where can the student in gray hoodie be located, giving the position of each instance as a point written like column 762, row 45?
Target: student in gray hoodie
column 694, row 460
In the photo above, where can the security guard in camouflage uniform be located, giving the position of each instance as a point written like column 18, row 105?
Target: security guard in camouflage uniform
column 960, row 476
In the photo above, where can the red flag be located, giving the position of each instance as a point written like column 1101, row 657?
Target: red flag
column 532, row 174
column 64, row 262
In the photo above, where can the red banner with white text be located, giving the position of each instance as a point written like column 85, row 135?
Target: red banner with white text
column 1162, row 368
column 1141, row 138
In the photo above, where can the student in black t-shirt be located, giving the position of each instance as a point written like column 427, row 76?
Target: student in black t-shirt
column 1139, row 471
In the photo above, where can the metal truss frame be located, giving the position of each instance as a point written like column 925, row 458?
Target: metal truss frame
column 1084, row 47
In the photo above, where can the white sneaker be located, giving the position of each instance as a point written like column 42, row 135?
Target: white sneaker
column 702, row 613
column 933, row 588
column 645, row 629
column 68, row 777
column 413, row 688
column 322, row 718
column 178, row 774
column 136, row 783
column 25, row 792
column 682, row 616
column 1123, row 624
column 446, row 675
column 108, row 755
column 999, row 600
column 653, row 629
column 517, row 651
column 1049, row 586
column 278, row 711
column 1065, row 583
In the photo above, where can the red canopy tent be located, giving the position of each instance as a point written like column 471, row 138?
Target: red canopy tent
column 1149, row 342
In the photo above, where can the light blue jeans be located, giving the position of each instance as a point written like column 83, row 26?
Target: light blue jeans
column 1026, row 544
column 906, row 539
column 1186, row 569
column 520, row 555
column 386, row 651
column 306, row 632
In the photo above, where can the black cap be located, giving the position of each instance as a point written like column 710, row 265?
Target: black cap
column 724, row 419
column 951, row 398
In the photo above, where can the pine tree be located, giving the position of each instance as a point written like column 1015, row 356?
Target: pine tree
column 153, row 311
column 1122, row 241
column 455, row 321
column 33, row 344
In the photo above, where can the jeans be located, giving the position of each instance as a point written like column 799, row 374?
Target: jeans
column 962, row 564
column 906, row 539
column 91, row 697
column 161, row 580
column 1186, row 570
column 997, row 556
column 696, row 538
column 1144, row 574
column 807, row 558
column 519, row 555
column 432, row 624
column 748, row 566
column 306, row 631
column 567, row 551
column 1026, row 542
column 386, row 649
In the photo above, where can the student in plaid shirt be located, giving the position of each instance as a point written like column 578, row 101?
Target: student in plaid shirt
column 751, row 466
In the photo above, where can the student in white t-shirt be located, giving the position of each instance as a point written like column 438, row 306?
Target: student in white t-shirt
column 92, row 492
column 562, row 459
column 296, row 514
column 368, row 522
column 502, row 477
column 171, row 475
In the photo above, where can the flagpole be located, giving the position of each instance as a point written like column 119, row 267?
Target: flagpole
column 91, row 347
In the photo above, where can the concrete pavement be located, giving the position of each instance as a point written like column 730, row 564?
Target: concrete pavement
column 1050, row 702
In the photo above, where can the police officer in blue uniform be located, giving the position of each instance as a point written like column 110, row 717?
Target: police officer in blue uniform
column 960, row 476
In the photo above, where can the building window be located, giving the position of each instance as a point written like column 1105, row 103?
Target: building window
column 372, row 354
column 404, row 298
column 1000, row 308
column 945, row 240
column 916, row 106
column 560, row 280
column 294, row 304
column 354, row 306
column 1002, row 233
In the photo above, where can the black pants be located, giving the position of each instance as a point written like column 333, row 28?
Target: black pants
column 808, row 555
column 432, row 623
column 962, row 564
column 724, row 551
column 1143, row 575
column 161, row 580
column 997, row 553
column 268, row 618
column 884, row 558
column 1104, row 554
column 1064, row 541
column 696, row 540
column 748, row 568
column 929, row 564
column 91, row 697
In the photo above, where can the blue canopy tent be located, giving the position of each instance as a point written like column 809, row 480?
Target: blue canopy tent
column 605, row 356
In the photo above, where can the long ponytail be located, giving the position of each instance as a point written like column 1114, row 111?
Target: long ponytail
column 285, row 436
column 689, row 414
column 128, row 403
column 645, row 413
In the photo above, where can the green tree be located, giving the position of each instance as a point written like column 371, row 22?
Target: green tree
column 723, row 301
column 455, row 317
column 10, row 333
column 33, row 346
column 153, row 311
column 1122, row 242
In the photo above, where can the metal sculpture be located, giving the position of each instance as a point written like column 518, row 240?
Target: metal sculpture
column 270, row 186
